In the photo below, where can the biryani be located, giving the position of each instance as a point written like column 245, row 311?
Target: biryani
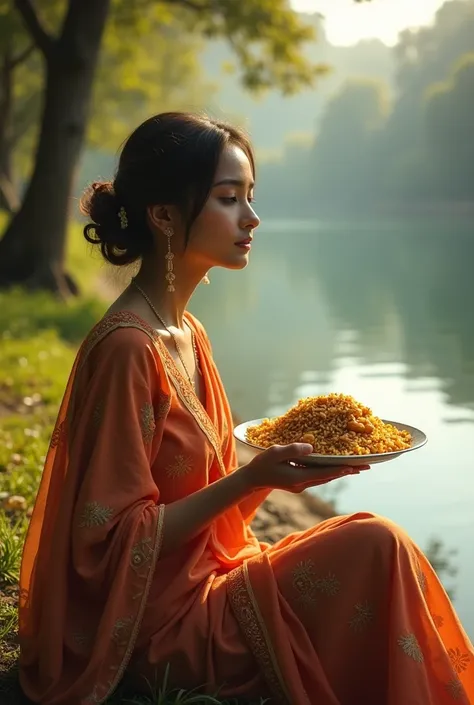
column 335, row 424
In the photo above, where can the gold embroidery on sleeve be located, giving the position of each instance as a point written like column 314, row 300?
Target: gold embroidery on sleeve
column 58, row 435
column 135, row 626
column 363, row 617
column 411, row 647
column 163, row 405
column 459, row 660
column 180, row 466
column 421, row 579
column 142, row 552
column 147, row 422
column 95, row 514
column 121, row 631
column 187, row 395
column 455, row 689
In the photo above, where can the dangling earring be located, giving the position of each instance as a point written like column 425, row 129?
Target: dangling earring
column 205, row 279
column 170, row 277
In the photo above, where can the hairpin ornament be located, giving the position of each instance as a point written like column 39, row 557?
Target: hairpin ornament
column 122, row 214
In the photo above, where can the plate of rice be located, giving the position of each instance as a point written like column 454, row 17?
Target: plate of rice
column 341, row 430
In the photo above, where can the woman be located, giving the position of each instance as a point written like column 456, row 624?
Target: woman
column 139, row 552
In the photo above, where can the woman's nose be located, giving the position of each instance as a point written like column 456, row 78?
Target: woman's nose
column 252, row 221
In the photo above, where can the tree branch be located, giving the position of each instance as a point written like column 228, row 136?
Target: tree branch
column 39, row 35
column 192, row 5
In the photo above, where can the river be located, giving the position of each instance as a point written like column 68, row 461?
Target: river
column 382, row 311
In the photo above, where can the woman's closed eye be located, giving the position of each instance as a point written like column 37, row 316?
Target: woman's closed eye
column 233, row 199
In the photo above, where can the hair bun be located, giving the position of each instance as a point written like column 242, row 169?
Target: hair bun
column 109, row 227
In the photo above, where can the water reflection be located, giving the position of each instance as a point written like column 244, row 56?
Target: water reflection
column 381, row 312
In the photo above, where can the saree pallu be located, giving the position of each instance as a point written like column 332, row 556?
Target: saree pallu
column 347, row 612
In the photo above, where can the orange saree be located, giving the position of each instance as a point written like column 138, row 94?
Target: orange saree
column 348, row 612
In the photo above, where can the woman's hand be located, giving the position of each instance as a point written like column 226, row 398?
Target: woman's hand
column 271, row 469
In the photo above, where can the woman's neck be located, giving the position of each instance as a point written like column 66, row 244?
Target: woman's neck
column 170, row 305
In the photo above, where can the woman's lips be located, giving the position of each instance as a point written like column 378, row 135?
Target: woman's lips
column 245, row 244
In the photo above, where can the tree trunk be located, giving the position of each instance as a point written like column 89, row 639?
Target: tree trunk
column 33, row 248
column 9, row 200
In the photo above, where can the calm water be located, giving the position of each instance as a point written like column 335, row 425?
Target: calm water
column 385, row 313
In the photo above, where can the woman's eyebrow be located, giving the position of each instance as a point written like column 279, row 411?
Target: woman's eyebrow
column 234, row 182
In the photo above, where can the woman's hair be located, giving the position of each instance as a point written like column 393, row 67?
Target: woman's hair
column 170, row 159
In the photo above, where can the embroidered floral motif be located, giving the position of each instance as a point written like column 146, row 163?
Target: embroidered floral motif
column 308, row 585
column 411, row 647
column 459, row 660
column 81, row 638
column 58, row 435
column 94, row 697
column 121, row 630
column 364, row 615
column 98, row 415
column 95, row 514
column 123, row 319
column 142, row 552
column 421, row 578
column 147, row 422
column 438, row 620
column 185, row 391
column 163, row 405
column 180, row 466
column 455, row 689
column 245, row 608
column 329, row 585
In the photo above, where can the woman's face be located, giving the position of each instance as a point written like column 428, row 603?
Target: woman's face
column 222, row 233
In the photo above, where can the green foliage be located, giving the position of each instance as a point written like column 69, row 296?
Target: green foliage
column 450, row 132
column 267, row 38
column 11, row 541
column 71, row 320
column 150, row 62
column 416, row 149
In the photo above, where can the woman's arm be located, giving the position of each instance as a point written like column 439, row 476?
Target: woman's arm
column 187, row 517
column 250, row 504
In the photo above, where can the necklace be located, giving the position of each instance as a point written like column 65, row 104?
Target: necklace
column 175, row 340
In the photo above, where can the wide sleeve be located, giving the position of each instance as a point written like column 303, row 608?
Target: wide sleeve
column 115, row 432
column 105, row 523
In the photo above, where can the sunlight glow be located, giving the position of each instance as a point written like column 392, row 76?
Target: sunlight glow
column 348, row 22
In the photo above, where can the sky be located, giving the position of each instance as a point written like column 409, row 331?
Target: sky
column 348, row 22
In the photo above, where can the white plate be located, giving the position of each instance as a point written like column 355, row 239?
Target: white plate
column 418, row 441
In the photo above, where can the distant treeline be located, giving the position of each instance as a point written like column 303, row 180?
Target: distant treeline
column 378, row 149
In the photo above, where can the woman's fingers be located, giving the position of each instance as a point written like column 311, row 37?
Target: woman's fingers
column 281, row 454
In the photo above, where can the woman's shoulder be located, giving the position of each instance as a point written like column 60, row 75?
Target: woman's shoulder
column 123, row 334
column 195, row 323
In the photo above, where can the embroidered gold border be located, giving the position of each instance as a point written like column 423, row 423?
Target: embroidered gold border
column 247, row 612
column 138, row 619
column 184, row 390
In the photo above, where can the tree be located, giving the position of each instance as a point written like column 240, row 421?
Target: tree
column 345, row 152
column 16, row 50
column 265, row 34
column 450, row 130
